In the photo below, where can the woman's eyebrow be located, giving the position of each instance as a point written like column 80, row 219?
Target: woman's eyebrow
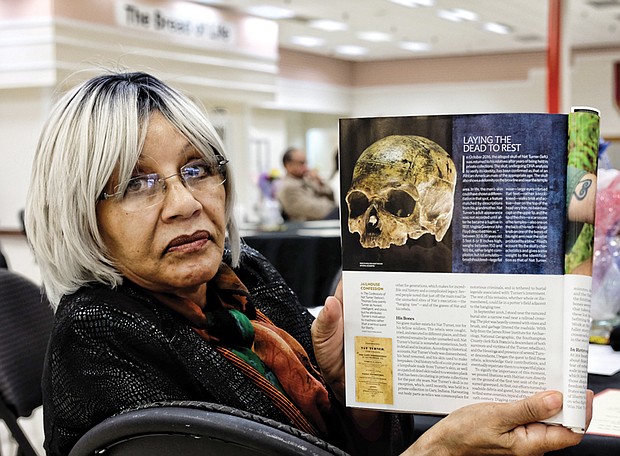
column 144, row 163
column 188, row 149
column 140, row 167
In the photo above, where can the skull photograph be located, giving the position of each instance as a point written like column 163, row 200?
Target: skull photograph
column 402, row 188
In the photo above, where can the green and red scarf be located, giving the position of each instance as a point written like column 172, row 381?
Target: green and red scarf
column 269, row 356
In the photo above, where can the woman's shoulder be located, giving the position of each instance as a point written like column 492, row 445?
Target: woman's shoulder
column 99, row 308
column 101, row 296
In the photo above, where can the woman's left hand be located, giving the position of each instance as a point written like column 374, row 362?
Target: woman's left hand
column 328, row 341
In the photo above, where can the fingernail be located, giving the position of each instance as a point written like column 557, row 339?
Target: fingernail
column 553, row 401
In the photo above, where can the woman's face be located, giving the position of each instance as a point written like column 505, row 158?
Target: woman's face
column 175, row 246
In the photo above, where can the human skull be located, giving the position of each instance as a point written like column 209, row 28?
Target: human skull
column 402, row 187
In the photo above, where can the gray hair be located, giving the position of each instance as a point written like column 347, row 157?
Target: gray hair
column 96, row 129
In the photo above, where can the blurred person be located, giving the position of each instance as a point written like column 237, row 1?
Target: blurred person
column 301, row 192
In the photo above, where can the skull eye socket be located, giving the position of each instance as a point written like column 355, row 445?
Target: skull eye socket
column 358, row 203
column 400, row 203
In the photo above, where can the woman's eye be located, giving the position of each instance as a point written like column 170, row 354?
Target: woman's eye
column 197, row 170
column 140, row 184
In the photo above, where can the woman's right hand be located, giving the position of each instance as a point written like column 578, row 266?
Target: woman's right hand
column 500, row 429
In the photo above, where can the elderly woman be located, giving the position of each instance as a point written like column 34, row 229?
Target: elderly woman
column 130, row 215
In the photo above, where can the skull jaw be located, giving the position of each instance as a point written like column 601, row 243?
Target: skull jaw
column 369, row 241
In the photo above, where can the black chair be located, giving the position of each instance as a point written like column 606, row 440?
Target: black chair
column 197, row 428
column 25, row 324
column 3, row 262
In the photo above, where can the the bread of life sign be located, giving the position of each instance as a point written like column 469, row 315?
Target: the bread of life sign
column 191, row 21
column 201, row 24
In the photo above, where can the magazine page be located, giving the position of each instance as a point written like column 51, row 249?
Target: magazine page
column 431, row 343
column 453, row 258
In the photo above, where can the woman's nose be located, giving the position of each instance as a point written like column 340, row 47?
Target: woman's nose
column 179, row 200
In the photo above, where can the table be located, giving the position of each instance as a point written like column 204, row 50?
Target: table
column 306, row 254
column 591, row 445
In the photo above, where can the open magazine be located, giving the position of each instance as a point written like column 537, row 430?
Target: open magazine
column 467, row 256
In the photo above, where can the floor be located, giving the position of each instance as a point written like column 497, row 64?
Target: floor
column 32, row 426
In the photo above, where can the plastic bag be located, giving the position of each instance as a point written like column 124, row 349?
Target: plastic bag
column 606, row 261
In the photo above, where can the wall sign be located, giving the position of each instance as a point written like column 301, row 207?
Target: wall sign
column 176, row 20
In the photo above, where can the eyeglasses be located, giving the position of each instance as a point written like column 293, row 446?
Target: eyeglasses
column 147, row 190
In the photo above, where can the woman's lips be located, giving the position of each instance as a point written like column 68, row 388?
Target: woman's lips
column 188, row 243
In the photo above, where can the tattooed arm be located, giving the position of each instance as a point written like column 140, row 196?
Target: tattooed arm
column 582, row 201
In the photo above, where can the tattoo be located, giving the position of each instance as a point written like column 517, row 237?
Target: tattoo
column 582, row 189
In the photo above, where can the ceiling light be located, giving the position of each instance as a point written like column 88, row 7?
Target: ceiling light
column 458, row 15
column 414, row 3
column 351, row 50
column 270, row 12
column 415, row 46
column 307, row 41
column 328, row 25
column 375, row 37
column 495, row 27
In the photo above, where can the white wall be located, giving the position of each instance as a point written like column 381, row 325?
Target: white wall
column 592, row 85
column 22, row 113
column 507, row 96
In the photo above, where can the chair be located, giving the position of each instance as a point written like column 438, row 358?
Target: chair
column 3, row 262
column 197, row 428
column 25, row 324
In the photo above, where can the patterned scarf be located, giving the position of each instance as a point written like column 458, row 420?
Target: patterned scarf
column 266, row 354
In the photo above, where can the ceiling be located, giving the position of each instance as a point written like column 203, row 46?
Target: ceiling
column 589, row 24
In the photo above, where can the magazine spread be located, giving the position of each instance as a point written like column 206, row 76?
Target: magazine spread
column 467, row 252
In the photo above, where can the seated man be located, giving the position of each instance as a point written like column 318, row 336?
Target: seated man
column 301, row 192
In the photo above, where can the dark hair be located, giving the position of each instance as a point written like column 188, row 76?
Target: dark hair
column 288, row 155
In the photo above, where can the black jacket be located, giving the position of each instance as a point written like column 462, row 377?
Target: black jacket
column 113, row 349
